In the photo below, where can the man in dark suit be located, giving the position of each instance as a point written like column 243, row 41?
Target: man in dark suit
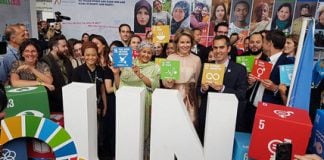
column 199, row 49
column 235, row 82
column 267, row 91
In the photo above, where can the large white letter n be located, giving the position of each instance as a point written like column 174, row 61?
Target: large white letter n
column 173, row 134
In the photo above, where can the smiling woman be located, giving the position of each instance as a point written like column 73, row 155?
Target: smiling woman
column 143, row 14
column 144, row 73
column 190, row 66
column 28, row 71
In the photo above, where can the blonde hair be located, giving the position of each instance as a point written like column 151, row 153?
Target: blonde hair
column 183, row 32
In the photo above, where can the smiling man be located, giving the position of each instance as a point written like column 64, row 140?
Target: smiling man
column 235, row 82
column 124, row 33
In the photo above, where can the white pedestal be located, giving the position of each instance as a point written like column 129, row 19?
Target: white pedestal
column 80, row 117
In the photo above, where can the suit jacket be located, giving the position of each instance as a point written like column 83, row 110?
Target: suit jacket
column 270, row 96
column 201, row 53
column 235, row 82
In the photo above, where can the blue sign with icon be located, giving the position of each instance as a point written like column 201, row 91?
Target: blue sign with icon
column 122, row 57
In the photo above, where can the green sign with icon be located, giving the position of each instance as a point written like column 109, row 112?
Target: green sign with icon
column 170, row 70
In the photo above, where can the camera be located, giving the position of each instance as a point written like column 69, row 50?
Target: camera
column 58, row 18
column 3, row 48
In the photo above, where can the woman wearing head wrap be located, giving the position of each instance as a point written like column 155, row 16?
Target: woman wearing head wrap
column 144, row 73
column 180, row 16
column 143, row 14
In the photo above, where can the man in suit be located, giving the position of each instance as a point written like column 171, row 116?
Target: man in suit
column 267, row 91
column 199, row 49
column 235, row 82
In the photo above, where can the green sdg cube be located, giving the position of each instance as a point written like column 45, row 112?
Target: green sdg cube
column 27, row 101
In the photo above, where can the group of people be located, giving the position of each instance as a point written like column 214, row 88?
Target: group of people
column 89, row 60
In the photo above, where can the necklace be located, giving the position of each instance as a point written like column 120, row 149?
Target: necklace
column 92, row 79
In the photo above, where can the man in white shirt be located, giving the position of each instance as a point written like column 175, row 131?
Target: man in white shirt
column 273, row 44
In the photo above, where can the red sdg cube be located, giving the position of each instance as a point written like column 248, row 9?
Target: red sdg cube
column 275, row 124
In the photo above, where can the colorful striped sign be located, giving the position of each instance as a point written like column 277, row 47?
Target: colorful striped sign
column 43, row 129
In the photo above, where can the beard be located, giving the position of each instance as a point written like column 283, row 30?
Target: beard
column 255, row 52
column 61, row 54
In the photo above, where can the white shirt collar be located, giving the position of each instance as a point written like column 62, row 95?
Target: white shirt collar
column 225, row 63
column 274, row 58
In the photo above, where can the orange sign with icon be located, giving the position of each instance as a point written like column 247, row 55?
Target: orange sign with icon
column 261, row 69
column 213, row 73
column 161, row 34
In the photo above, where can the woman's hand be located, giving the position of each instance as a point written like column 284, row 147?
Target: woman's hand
column 169, row 83
column 24, row 67
column 137, row 71
column 113, row 69
column 49, row 86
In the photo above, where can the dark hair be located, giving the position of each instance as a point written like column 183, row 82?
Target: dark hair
column 71, row 42
column 288, row 5
column 134, row 35
column 305, row 6
column 225, row 24
column 295, row 39
column 24, row 45
column 195, row 29
column 87, row 45
column 84, row 34
column 219, row 37
column 122, row 25
column 54, row 40
column 256, row 33
column 116, row 43
column 165, row 46
column 277, row 38
column 234, row 34
column 138, row 28
column 104, row 42
column 213, row 17
column 242, row 2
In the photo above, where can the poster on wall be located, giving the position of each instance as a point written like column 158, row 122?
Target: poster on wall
column 240, row 20
column 304, row 8
column 200, row 17
column 283, row 15
column 142, row 16
column 180, row 15
column 161, row 12
column 96, row 17
column 261, row 15
column 11, row 13
column 219, row 12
